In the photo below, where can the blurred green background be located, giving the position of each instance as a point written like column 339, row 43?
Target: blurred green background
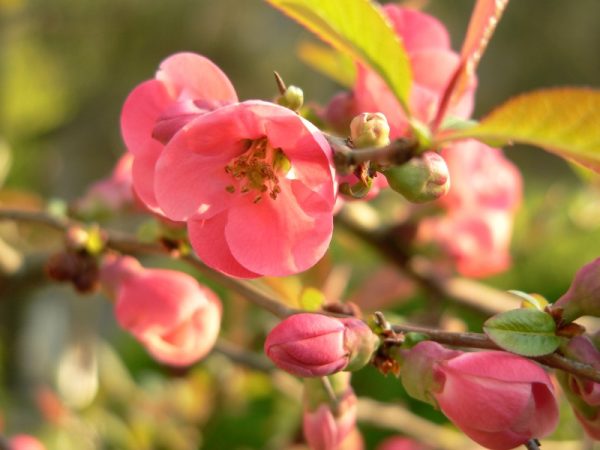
column 66, row 67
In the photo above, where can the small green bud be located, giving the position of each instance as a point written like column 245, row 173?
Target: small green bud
column 370, row 130
column 292, row 98
column 422, row 179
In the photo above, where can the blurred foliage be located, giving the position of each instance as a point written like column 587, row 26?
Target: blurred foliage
column 66, row 67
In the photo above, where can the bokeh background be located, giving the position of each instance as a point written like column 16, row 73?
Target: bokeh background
column 66, row 67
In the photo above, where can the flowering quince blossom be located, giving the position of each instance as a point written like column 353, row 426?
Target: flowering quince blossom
column 485, row 193
column 113, row 193
column 325, row 429
column 185, row 86
column 433, row 63
column 173, row 316
column 255, row 183
column 314, row 345
column 498, row 399
column 25, row 442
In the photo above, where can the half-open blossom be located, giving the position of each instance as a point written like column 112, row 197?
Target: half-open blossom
column 314, row 345
column 25, row 442
column 326, row 426
column 254, row 182
column 498, row 399
column 173, row 316
column 184, row 86
column 432, row 62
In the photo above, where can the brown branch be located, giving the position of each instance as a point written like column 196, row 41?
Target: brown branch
column 397, row 152
column 128, row 244
column 478, row 340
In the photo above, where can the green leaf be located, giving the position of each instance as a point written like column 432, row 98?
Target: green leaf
column 331, row 63
column 359, row 29
column 565, row 121
column 527, row 332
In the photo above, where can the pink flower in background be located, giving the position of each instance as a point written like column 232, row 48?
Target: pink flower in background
column 314, row 345
column 485, row 192
column 255, row 183
column 498, row 399
column 173, row 316
column 184, row 86
column 113, row 193
column 324, row 430
column 25, row 442
column 432, row 62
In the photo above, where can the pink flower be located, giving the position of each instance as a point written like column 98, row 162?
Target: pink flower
column 498, row 399
column 485, row 192
column 325, row 428
column 314, row 345
column 25, row 442
column 173, row 316
column 255, row 183
column 432, row 62
column 113, row 193
column 583, row 296
column 184, row 86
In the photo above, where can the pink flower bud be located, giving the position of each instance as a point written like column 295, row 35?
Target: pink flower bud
column 340, row 111
column 25, row 442
column 583, row 296
column 173, row 316
column 326, row 426
column 314, row 345
column 498, row 399
column 421, row 179
column 583, row 394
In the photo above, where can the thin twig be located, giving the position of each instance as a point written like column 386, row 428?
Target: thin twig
column 397, row 152
column 129, row 244
column 478, row 340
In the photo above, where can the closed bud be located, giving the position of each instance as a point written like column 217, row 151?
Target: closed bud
column 370, row 130
column 583, row 296
column 292, row 98
column 328, row 422
column 314, row 345
column 423, row 178
column 498, row 399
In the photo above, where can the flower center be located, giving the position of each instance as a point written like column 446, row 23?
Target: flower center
column 256, row 171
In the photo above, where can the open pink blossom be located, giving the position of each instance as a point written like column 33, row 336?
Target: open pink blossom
column 432, row 62
column 498, row 399
column 312, row 345
column 174, row 317
column 25, row 442
column 184, row 86
column 254, row 181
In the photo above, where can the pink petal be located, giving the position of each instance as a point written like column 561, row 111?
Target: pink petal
column 432, row 68
column 283, row 236
column 191, row 76
column 208, row 240
column 141, row 109
column 417, row 30
column 142, row 172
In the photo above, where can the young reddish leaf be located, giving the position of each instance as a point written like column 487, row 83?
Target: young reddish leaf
column 527, row 332
column 484, row 19
column 565, row 121
column 331, row 63
column 359, row 29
